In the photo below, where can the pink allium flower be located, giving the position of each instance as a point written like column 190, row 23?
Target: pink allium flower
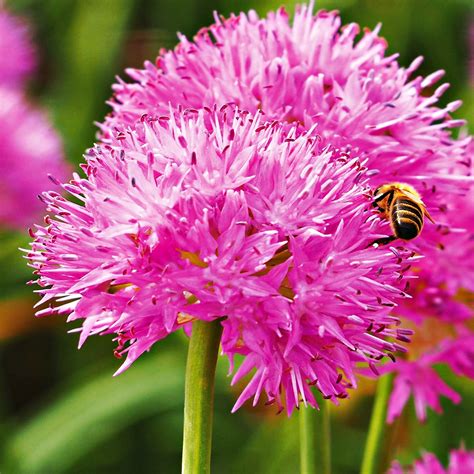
column 29, row 150
column 313, row 73
column 208, row 215
column 17, row 55
column 460, row 462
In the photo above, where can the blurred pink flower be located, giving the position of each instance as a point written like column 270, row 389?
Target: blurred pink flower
column 460, row 462
column 417, row 377
column 17, row 54
column 312, row 73
column 209, row 215
column 29, row 150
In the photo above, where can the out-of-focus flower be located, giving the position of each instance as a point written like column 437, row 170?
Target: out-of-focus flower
column 29, row 150
column 209, row 215
column 461, row 461
column 419, row 379
column 313, row 73
column 29, row 147
column 17, row 55
column 436, row 342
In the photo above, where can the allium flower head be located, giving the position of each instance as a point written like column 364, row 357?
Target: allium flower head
column 217, row 214
column 461, row 461
column 311, row 72
column 17, row 55
column 314, row 73
column 29, row 150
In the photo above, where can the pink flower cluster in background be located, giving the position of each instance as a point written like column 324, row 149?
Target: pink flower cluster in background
column 460, row 462
column 261, row 213
column 441, row 312
column 17, row 54
column 29, row 150
column 29, row 147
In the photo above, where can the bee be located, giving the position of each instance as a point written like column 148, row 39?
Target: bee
column 403, row 207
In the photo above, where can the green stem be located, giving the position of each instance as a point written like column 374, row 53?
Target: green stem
column 315, row 439
column 375, row 438
column 199, row 396
column 324, row 445
column 307, row 452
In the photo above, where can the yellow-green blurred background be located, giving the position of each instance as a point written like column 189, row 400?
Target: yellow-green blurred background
column 60, row 408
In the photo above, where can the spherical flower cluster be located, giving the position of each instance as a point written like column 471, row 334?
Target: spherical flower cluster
column 29, row 147
column 460, row 462
column 312, row 73
column 17, row 55
column 218, row 214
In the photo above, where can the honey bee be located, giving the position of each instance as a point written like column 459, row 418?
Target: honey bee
column 403, row 207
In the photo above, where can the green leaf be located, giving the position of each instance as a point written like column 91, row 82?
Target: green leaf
column 92, row 412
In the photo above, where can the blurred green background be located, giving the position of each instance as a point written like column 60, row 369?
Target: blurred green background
column 60, row 409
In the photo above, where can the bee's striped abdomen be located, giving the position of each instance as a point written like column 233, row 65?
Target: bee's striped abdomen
column 406, row 217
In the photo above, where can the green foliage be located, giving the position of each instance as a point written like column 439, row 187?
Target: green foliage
column 94, row 411
column 15, row 272
column 90, row 51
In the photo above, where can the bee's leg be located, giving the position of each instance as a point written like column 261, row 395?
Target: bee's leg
column 383, row 241
column 427, row 214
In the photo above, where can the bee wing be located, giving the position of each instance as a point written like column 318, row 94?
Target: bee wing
column 418, row 200
column 414, row 196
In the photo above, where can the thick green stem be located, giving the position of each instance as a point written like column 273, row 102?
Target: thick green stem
column 375, row 438
column 315, row 440
column 199, row 396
